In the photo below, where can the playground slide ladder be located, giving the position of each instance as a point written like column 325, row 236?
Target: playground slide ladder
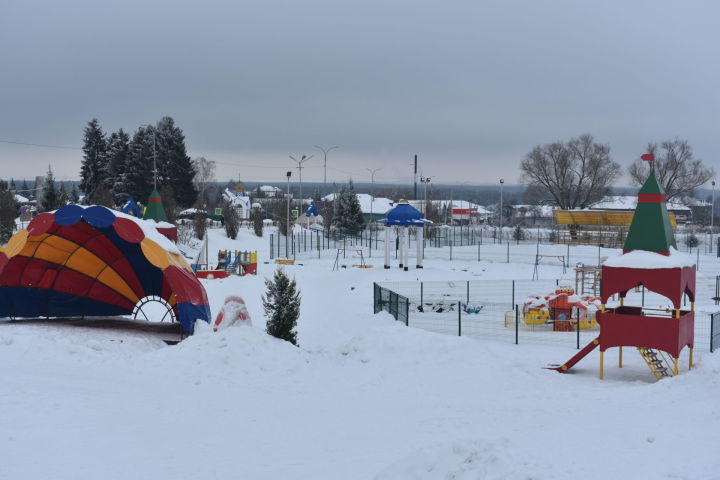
column 656, row 363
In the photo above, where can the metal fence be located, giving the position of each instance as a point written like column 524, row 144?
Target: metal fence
column 494, row 309
column 389, row 301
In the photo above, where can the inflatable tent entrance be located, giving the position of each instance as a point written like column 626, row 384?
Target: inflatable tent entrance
column 94, row 261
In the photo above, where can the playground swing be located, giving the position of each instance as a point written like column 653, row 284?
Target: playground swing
column 538, row 257
column 343, row 251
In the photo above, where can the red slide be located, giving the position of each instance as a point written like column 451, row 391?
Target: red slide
column 576, row 358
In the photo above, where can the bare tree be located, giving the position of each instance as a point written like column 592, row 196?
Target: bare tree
column 675, row 167
column 573, row 174
column 205, row 174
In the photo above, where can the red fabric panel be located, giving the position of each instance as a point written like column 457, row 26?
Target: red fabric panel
column 123, row 268
column 79, row 232
column 185, row 286
column 48, row 278
column 3, row 261
column 33, row 272
column 128, row 230
column 13, row 271
column 41, row 224
column 170, row 233
column 669, row 282
column 101, row 293
column 74, row 283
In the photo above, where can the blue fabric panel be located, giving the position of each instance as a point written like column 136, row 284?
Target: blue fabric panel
column 188, row 313
column 69, row 215
column 32, row 302
column 98, row 216
column 150, row 276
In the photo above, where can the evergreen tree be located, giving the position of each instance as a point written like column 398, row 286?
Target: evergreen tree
column 174, row 165
column 93, row 170
column 62, row 195
column 232, row 220
column 168, row 200
column 281, row 303
column 25, row 189
column 256, row 217
column 118, row 149
column 347, row 214
column 8, row 212
column 74, row 194
column 13, row 187
column 51, row 196
column 139, row 174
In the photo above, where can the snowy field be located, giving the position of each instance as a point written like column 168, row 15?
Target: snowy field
column 364, row 397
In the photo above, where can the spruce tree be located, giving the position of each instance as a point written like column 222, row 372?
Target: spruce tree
column 51, row 196
column 139, row 174
column 347, row 214
column 118, row 149
column 13, row 187
column 74, row 194
column 174, row 164
column 281, row 303
column 93, row 170
column 25, row 189
column 63, row 196
column 8, row 212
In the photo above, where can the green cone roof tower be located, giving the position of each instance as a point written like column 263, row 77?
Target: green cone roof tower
column 650, row 229
column 155, row 210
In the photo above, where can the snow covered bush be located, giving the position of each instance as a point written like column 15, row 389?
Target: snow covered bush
column 282, row 306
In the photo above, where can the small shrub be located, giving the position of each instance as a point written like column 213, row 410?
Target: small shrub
column 281, row 303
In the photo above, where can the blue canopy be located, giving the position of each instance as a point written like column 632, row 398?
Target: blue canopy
column 404, row 215
column 131, row 208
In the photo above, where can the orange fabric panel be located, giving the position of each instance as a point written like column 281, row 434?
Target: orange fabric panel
column 85, row 262
column 155, row 254
column 112, row 280
column 55, row 249
column 16, row 244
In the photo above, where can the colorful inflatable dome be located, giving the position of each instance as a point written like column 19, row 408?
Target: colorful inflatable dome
column 95, row 262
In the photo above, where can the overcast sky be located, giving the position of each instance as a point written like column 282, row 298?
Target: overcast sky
column 469, row 86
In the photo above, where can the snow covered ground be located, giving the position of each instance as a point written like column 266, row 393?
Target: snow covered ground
column 363, row 397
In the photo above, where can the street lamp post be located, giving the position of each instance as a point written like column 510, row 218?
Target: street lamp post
column 300, row 162
column 287, row 225
column 372, row 189
column 425, row 181
column 502, row 181
column 325, row 152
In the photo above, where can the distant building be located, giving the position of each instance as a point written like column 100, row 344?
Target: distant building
column 240, row 202
column 627, row 203
column 373, row 208
column 268, row 191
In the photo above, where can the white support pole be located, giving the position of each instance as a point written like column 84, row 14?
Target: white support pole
column 387, row 246
column 401, row 244
column 419, row 239
column 406, row 249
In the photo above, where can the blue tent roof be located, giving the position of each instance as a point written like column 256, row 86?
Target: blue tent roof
column 404, row 215
column 131, row 208
column 312, row 210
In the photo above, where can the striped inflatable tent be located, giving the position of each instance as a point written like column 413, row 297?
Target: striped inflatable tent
column 94, row 261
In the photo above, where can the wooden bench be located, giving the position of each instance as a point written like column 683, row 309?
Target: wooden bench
column 284, row 261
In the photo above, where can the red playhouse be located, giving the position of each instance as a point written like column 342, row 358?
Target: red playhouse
column 650, row 259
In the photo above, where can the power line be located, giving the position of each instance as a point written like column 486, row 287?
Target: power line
column 65, row 147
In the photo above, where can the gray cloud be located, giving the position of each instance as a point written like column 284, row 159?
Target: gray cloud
column 469, row 86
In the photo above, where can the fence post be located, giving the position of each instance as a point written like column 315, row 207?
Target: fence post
column 577, row 328
column 712, row 331
column 479, row 244
column 508, row 251
column 468, row 294
column 459, row 320
column 517, row 324
column 272, row 247
column 407, row 312
column 421, row 296
column 451, row 245
column 513, row 293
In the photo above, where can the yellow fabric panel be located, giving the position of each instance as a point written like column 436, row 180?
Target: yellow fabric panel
column 178, row 261
column 16, row 243
column 55, row 249
column 111, row 279
column 86, row 263
column 155, row 254
column 599, row 217
column 31, row 244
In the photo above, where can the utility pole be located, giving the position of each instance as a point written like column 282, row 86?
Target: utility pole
column 415, row 179
column 325, row 152
column 502, row 181
column 712, row 209
column 300, row 162
column 287, row 231
column 425, row 180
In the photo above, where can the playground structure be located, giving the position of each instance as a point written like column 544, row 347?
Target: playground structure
column 539, row 256
column 230, row 263
column 96, row 262
column 401, row 218
column 562, row 309
column 649, row 259
column 587, row 279
column 595, row 227
column 343, row 252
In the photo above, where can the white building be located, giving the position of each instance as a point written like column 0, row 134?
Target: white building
column 241, row 203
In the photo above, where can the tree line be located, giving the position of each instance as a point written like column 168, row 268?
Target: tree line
column 581, row 172
column 115, row 167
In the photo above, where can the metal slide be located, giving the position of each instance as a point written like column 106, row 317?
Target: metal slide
column 576, row 358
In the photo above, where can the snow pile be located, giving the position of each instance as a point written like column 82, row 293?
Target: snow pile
column 644, row 259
